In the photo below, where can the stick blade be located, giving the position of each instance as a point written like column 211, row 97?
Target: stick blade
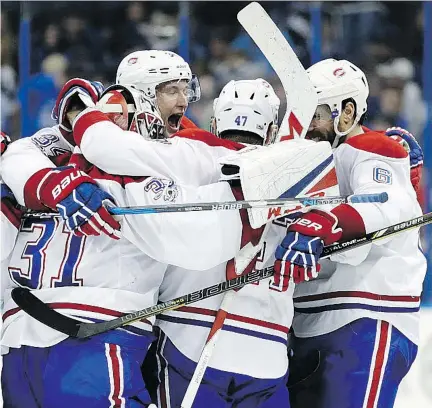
column 300, row 93
column 40, row 311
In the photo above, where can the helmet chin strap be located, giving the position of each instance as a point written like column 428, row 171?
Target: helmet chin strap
column 339, row 134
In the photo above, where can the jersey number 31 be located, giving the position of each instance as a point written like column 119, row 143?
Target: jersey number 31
column 35, row 250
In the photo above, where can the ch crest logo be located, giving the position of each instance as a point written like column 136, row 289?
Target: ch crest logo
column 339, row 72
column 132, row 60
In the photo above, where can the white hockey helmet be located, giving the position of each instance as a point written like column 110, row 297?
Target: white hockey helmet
column 336, row 81
column 131, row 110
column 145, row 70
column 249, row 106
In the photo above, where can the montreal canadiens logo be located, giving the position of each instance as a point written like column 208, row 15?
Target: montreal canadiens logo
column 132, row 60
column 339, row 72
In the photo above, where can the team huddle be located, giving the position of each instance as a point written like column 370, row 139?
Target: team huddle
column 338, row 332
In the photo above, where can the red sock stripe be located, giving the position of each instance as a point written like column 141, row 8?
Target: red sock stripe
column 116, row 368
column 378, row 365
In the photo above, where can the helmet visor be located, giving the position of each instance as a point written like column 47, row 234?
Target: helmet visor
column 190, row 90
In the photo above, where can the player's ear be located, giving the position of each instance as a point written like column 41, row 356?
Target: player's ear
column 272, row 132
column 349, row 110
column 213, row 128
column 348, row 114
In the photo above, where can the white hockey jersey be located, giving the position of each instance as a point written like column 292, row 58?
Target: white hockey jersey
column 382, row 280
column 260, row 317
column 191, row 156
column 151, row 241
column 10, row 218
column 253, row 340
column 96, row 278
column 26, row 153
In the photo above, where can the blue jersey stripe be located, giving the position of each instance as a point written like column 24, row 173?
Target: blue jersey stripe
column 384, row 309
column 226, row 327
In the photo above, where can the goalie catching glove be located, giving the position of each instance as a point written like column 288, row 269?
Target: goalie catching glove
column 76, row 196
column 297, row 257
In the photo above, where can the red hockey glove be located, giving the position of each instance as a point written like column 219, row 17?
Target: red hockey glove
column 77, row 197
column 297, row 257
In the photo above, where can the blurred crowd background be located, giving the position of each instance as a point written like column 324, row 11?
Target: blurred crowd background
column 89, row 39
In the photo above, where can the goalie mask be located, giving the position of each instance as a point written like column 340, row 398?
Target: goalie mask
column 247, row 106
column 131, row 110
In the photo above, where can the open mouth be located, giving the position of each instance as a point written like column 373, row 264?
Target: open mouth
column 174, row 121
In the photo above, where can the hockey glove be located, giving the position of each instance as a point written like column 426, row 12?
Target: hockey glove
column 5, row 141
column 77, row 93
column 414, row 149
column 408, row 141
column 297, row 257
column 78, row 199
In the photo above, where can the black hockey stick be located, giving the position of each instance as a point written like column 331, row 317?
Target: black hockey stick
column 32, row 305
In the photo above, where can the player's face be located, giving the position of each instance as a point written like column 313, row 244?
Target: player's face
column 321, row 127
column 172, row 101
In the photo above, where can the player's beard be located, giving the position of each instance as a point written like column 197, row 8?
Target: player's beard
column 321, row 135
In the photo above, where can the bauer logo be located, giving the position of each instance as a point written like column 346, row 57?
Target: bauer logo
column 382, row 176
column 132, row 60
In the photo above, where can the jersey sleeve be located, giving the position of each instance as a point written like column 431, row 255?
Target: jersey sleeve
column 10, row 217
column 380, row 171
column 368, row 173
column 45, row 149
column 196, row 240
column 376, row 176
column 116, row 151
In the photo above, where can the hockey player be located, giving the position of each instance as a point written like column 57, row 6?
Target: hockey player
column 249, row 364
column 271, row 332
column 10, row 222
column 166, row 78
column 41, row 153
column 43, row 367
column 163, row 76
column 356, row 326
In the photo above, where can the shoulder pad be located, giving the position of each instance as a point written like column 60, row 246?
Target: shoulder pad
column 186, row 123
column 208, row 138
column 378, row 143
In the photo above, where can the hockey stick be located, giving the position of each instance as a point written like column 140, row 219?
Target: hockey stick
column 75, row 328
column 301, row 97
column 207, row 351
column 217, row 326
column 301, row 100
column 238, row 205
